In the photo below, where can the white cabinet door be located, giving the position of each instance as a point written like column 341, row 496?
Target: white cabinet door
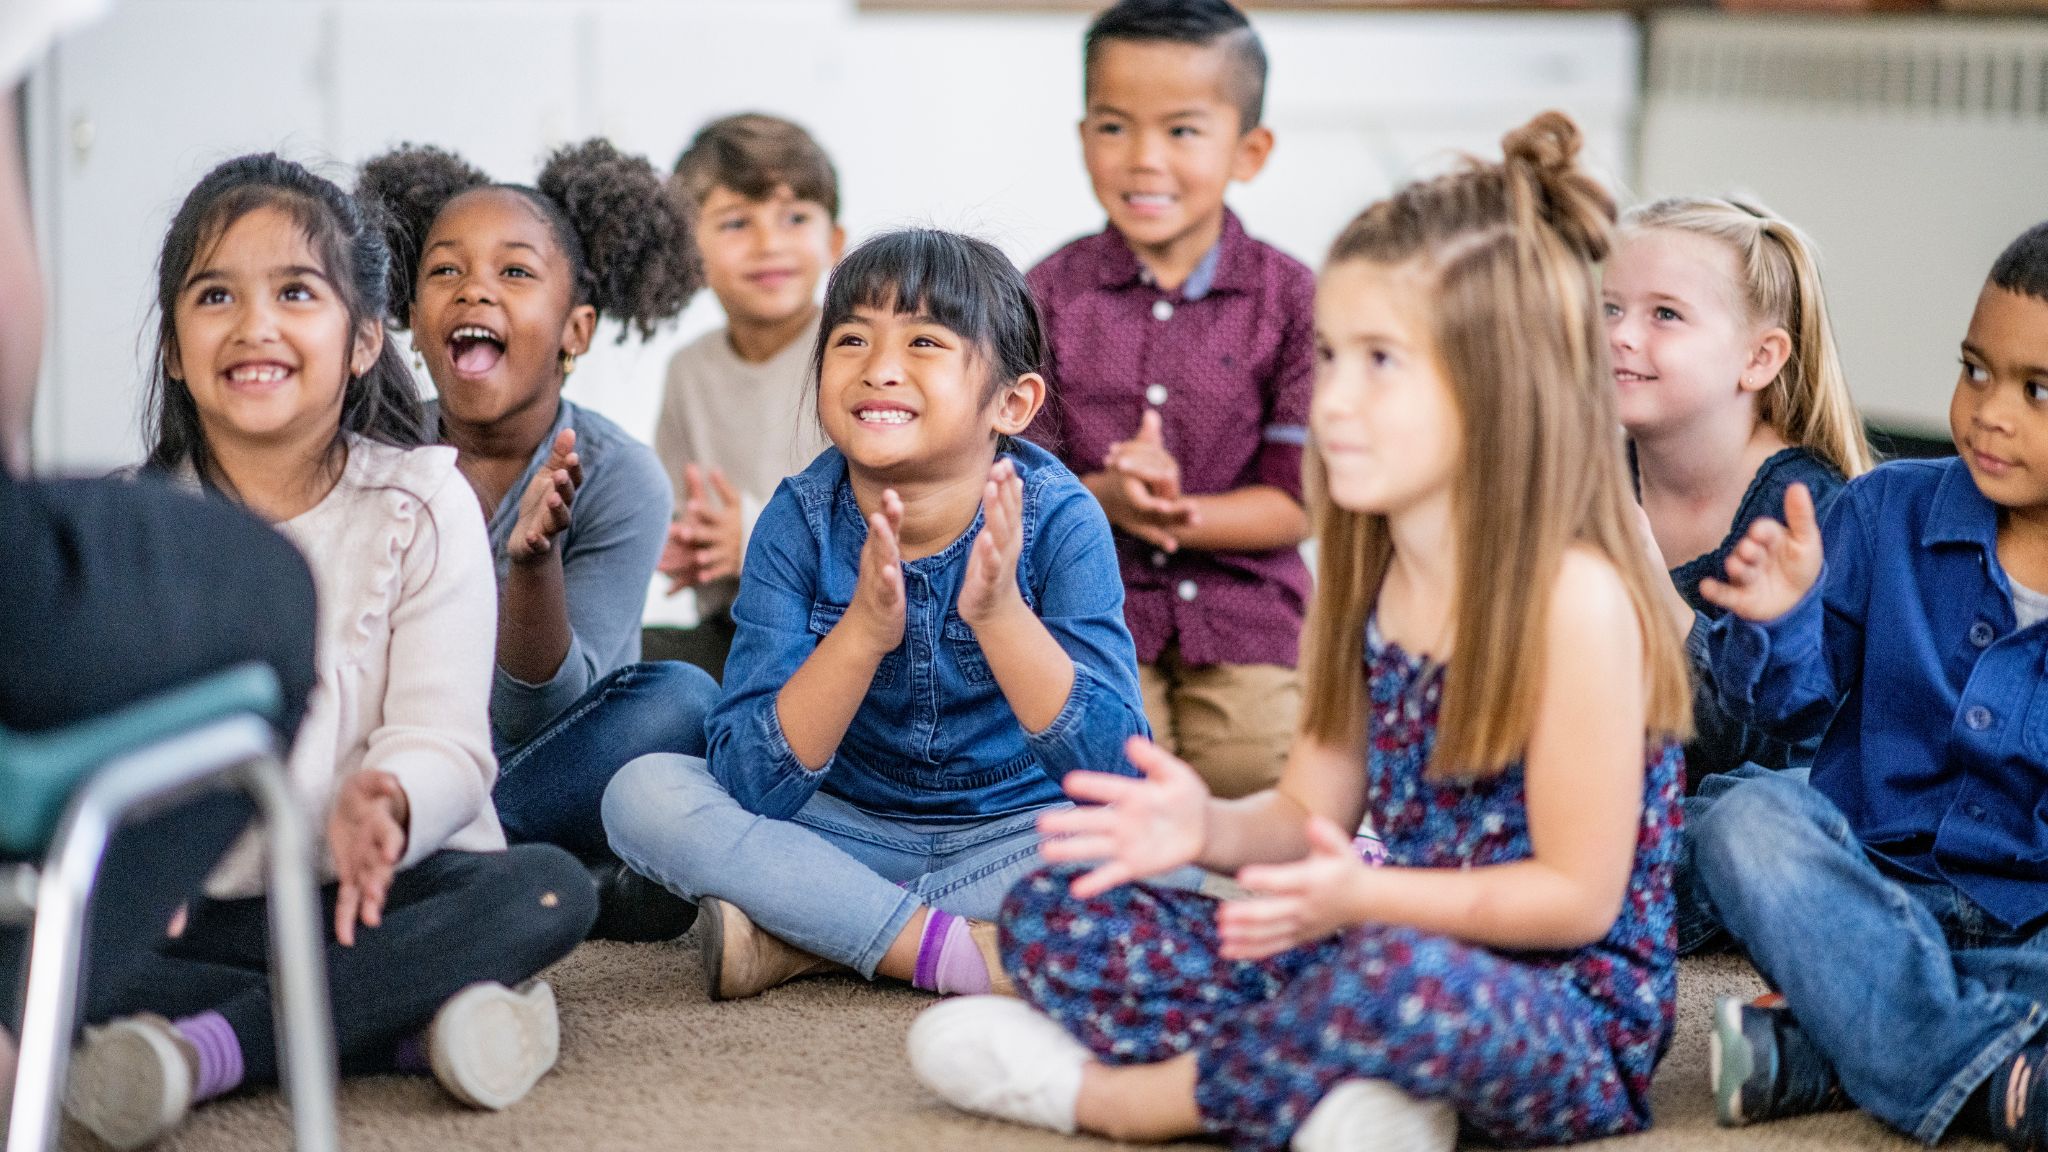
column 143, row 104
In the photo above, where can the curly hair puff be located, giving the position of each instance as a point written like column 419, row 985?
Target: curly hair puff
column 611, row 214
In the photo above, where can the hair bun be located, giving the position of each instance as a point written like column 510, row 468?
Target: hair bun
column 1549, row 143
column 1542, row 163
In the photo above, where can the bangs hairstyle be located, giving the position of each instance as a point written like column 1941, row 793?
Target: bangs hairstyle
column 965, row 285
column 1201, row 23
column 629, row 255
column 1507, row 254
column 754, row 154
column 348, row 243
column 1808, row 402
column 2023, row 266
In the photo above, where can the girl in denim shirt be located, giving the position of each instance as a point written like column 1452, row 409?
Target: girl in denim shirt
column 930, row 637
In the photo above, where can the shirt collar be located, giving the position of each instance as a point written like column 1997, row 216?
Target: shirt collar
column 1224, row 268
column 1960, row 514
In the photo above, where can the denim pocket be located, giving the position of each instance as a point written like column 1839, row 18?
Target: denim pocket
column 825, row 615
column 965, row 648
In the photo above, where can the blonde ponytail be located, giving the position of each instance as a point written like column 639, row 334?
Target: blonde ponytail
column 1808, row 403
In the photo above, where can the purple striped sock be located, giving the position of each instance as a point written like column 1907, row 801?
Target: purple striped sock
column 220, row 1054
column 930, row 948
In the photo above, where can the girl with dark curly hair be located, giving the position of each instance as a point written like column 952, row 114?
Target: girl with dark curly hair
column 502, row 287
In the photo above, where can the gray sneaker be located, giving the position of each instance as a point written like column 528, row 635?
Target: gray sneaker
column 131, row 1081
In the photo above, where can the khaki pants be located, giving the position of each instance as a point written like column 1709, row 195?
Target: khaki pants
column 1232, row 722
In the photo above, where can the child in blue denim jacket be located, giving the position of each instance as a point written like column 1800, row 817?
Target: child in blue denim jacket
column 930, row 636
column 1899, row 903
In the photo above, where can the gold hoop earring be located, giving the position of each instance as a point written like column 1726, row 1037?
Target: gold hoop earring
column 419, row 363
column 568, row 361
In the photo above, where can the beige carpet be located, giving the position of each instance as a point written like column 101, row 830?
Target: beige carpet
column 648, row 1063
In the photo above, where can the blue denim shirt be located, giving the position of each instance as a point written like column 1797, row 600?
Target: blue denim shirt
column 1939, row 753
column 935, row 736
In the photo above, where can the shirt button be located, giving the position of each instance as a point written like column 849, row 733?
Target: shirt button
column 1155, row 395
column 1978, row 718
column 1974, row 811
column 1158, row 559
column 1187, row 590
column 1981, row 634
column 1162, row 309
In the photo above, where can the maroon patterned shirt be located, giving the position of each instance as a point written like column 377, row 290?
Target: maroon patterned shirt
column 1227, row 360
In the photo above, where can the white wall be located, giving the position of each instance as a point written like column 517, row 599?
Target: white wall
column 961, row 120
column 1912, row 150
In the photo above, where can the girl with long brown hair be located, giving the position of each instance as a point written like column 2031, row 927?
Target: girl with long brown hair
column 1488, row 680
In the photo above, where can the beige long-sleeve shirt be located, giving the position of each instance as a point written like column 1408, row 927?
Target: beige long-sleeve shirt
column 407, row 639
column 757, row 422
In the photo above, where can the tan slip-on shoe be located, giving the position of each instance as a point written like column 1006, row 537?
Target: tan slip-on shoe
column 740, row 960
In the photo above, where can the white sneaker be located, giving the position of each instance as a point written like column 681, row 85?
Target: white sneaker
column 1000, row 1057
column 1375, row 1116
column 489, row 1044
column 131, row 1082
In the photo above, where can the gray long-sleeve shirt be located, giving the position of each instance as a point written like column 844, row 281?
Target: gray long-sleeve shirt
column 616, row 528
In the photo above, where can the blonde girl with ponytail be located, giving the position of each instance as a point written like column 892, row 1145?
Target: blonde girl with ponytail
column 1730, row 388
column 1489, row 680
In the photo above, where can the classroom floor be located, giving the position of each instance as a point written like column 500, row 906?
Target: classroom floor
column 649, row 1063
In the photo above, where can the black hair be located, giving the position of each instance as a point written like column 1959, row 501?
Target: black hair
column 2023, row 266
column 628, row 252
column 382, row 404
column 1203, row 23
column 966, row 285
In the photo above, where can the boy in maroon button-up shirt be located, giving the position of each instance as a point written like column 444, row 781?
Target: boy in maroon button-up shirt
column 1181, row 357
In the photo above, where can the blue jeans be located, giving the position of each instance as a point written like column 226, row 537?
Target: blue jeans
column 1699, row 924
column 835, row 880
column 1912, row 991
column 551, row 789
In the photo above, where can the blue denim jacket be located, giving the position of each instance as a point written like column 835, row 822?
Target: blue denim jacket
column 935, row 736
column 1939, row 753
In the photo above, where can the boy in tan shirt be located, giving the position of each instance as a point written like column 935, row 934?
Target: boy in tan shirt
column 763, row 201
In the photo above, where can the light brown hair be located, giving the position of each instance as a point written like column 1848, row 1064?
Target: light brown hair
column 1808, row 403
column 754, row 154
column 1507, row 252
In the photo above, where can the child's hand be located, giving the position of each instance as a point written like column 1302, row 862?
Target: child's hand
column 1774, row 565
column 678, row 559
column 544, row 509
column 877, row 609
column 1668, row 594
column 711, row 525
column 1137, row 828
column 991, row 584
column 1142, row 496
column 1144, row 458
column 366, row 831
column 1295, row 904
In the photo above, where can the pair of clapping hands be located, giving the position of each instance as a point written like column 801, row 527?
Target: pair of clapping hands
column 1134, row 828
column 366, row 832
column 876, row 614
column 1143, row 496
column 704, row 541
